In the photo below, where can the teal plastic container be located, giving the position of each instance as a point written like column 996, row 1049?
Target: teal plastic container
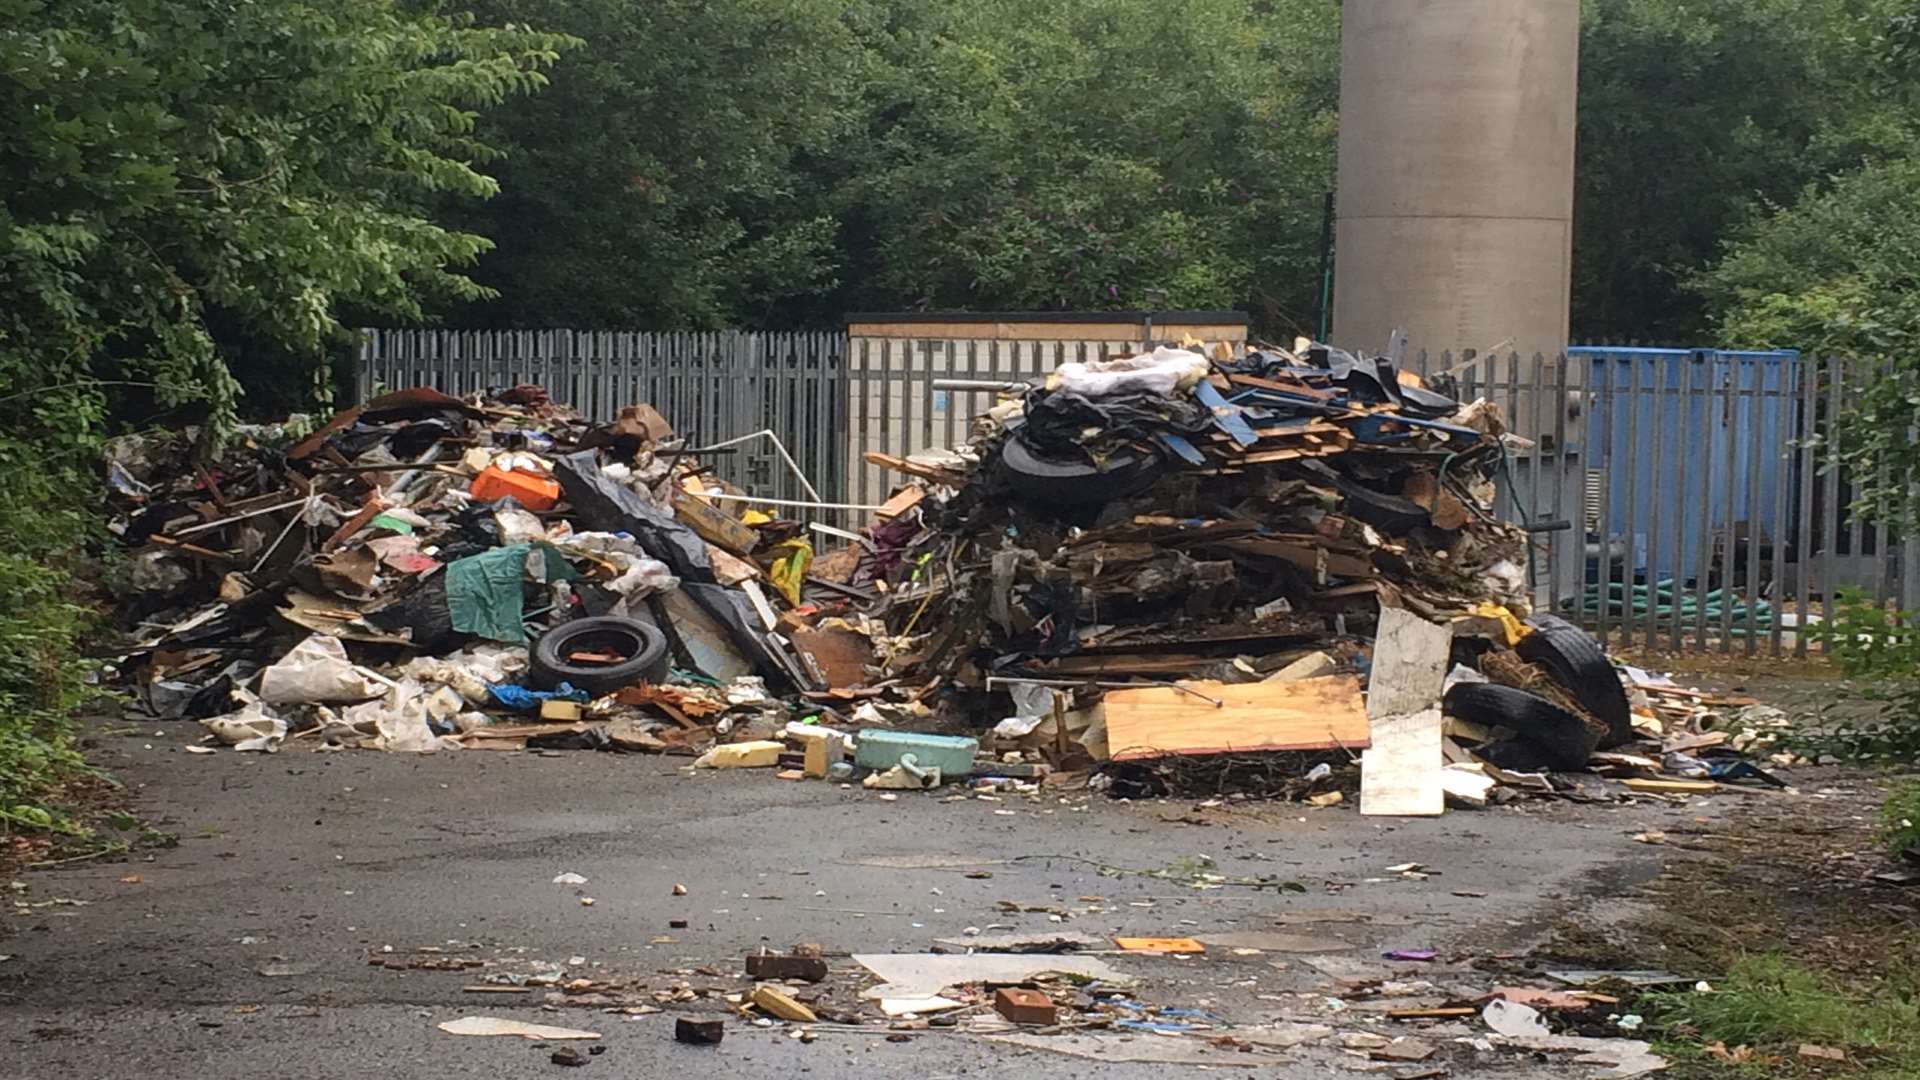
column 878, row 748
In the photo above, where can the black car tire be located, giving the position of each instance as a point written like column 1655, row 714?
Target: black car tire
column 1038, row 479
column 1577, row 662
column 644, row 647
column 1564, row 739
column 1391, row 514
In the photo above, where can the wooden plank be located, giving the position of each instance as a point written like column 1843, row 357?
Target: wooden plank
column 1402, row 773
column 1313, row 559
column 904, row 500
column 715, row 526
column 1308, row 714
column 913, row 468
column 1688, row 787
column 1300, row 389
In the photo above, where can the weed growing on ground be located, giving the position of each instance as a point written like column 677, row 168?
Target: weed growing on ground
column 1879, row 650
column 1902, row 812
column 1770, row 1005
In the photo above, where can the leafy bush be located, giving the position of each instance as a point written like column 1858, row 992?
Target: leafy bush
column 1879, row 650
column 1902, row 813
column 43, row 679
column 191, row 183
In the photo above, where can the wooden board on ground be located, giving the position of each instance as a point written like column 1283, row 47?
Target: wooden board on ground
column 1671, row 787
column 841, row 655
column 1403, row 771
column 1308, row 714
column 714, row 525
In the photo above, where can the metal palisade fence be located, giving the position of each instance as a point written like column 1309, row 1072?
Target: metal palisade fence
column 1676, row 499
column 1691, row 499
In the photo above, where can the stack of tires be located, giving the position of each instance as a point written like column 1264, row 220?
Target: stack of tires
column 1544, row 734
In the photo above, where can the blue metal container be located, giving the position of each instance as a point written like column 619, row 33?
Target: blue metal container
column 1724, row 421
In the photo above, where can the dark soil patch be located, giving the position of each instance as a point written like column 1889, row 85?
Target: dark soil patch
column 1789, row 874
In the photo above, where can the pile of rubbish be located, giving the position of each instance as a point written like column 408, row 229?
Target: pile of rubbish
column 421, row 572
column 1189, row 571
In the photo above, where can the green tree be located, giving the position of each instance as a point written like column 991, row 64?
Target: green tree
column 1693, row 116
column 659, row 183
column 188, row 179
column 1836, row 272
column 780, row 162
column 1097, row 154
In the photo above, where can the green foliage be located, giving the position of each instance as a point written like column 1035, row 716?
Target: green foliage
column 1692, row 116
column 1772, row 1002
column 1098, row 154
column 785, row 161
column 1878, row 650
column 196, row 190
column 1902, row 816
column 660, row 181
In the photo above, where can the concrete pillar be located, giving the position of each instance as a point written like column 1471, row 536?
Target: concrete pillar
column 1455, row 213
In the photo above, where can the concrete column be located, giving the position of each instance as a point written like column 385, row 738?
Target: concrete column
column 1455, row 214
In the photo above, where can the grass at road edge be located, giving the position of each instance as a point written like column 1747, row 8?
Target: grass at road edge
column 1757, row 1017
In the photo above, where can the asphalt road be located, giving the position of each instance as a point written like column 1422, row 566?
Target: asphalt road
column 302, row 864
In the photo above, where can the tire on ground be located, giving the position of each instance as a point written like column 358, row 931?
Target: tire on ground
column 644, row 647
column 1563, row 738
column 1577, row 662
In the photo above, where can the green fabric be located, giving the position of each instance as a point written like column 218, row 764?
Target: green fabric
column 483, row 591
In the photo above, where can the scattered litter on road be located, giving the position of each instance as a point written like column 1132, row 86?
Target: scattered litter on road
column 698, row 1032
column 494, row 1025
column 1513, row 1019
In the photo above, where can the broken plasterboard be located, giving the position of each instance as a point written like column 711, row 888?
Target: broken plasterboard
column 496, row 1025
column 920, row 975
column 1467, row 784
column 1401, row 773
column 1306, row 714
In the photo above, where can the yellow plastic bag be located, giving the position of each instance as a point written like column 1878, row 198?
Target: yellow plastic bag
column 789, row 569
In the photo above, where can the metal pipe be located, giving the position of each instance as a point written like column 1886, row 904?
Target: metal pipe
column 980, row 384
column 793, row 465
column 189, row 531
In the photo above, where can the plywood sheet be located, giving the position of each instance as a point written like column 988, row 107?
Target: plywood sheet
column 1306, row 714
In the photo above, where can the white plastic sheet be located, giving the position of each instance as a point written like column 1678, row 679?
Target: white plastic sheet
column 1162, row 371
column 317, row 672
column 251, row 727
column 399, row 721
